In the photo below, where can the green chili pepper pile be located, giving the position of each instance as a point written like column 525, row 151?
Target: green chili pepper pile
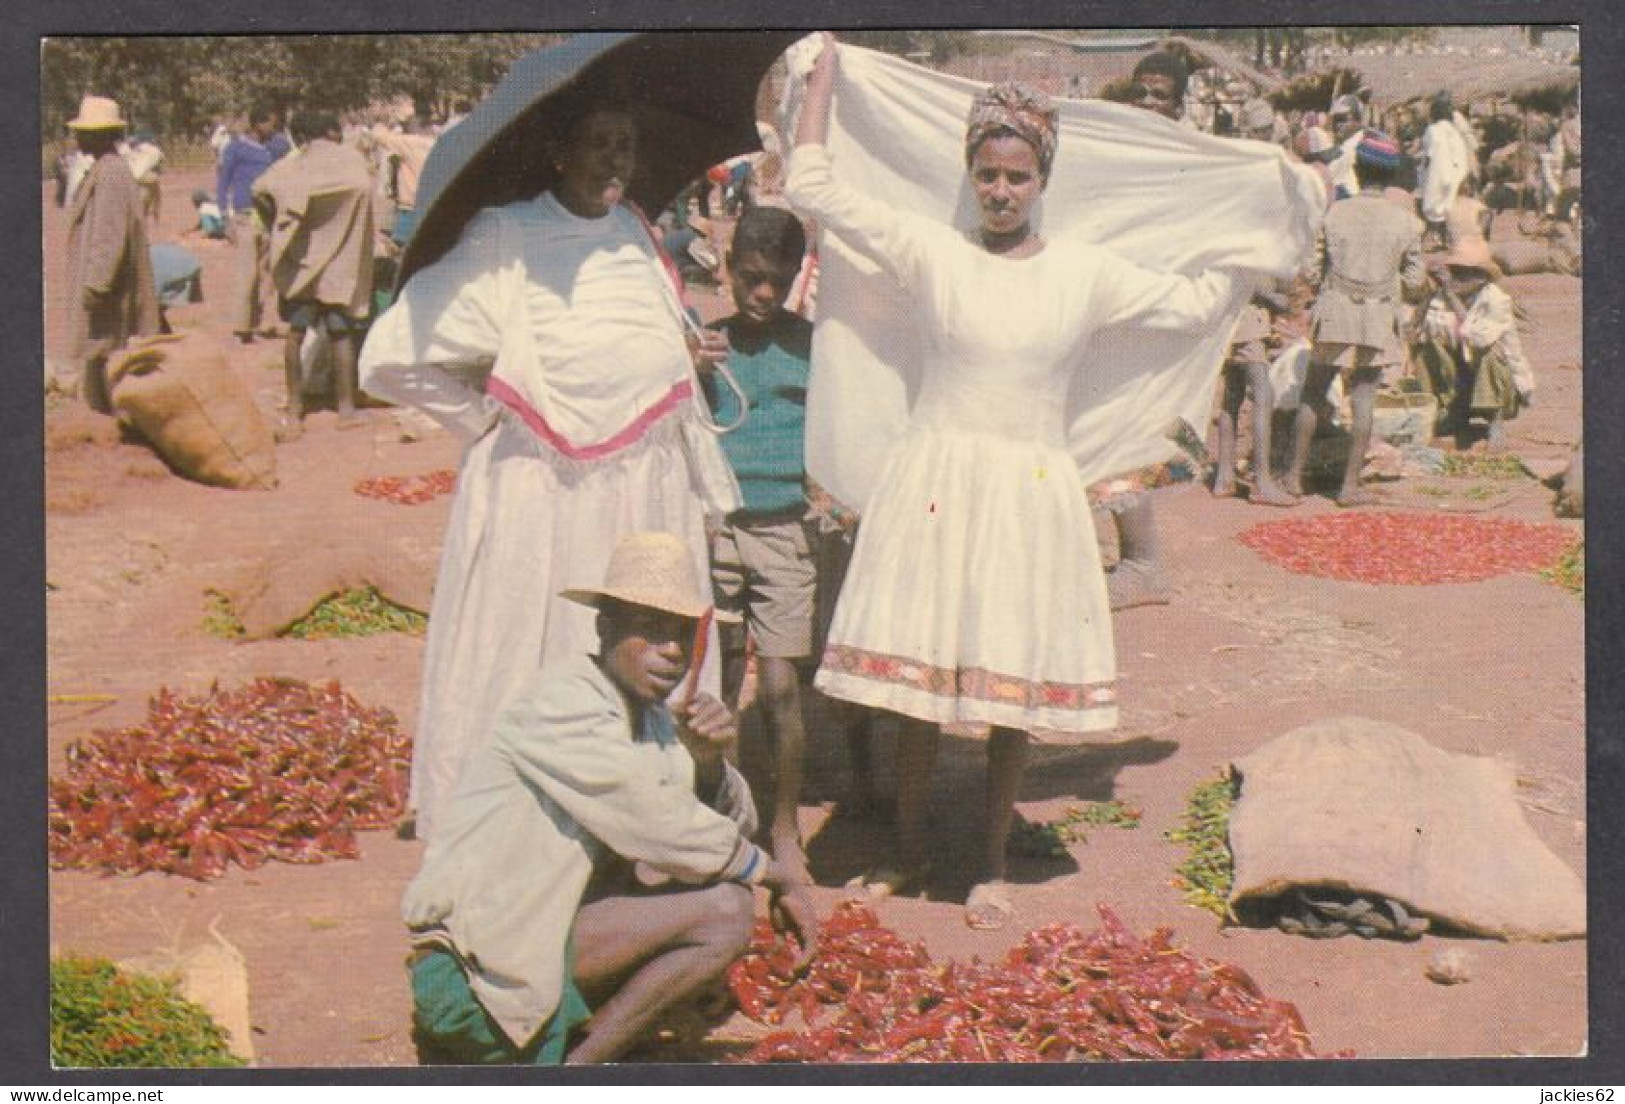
column 102, row 1017
column 277, row 769
column 360, row 611
column 1060, row 995
column 1569, row 572
column 1205, row 875
column 1050, row 839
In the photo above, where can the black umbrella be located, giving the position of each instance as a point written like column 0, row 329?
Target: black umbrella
column 692, row 93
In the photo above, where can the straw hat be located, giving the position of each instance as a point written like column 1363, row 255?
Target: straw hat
column 654, row 570
column 97, row 113
column 1473, row 253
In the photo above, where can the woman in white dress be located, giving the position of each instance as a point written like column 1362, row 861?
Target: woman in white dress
column 975, row 594
column 549, row 338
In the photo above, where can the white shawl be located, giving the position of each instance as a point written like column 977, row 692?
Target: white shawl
column 1146, row 187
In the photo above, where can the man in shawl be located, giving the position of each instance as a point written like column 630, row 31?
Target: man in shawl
column 1445, row 163
column 318, row 206
column 109, row 275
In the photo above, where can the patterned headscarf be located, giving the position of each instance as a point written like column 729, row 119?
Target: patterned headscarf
column 1020, row 109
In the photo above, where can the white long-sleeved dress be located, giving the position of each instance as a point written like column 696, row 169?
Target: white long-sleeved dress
column 549, row 342
column 975, row 593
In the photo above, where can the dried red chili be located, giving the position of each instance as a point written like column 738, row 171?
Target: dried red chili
column 408, row 490
column 1059, row 995
column 1408, row 549
column 276, row 769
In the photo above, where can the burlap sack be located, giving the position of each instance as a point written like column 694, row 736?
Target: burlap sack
column 270, row 594
column 179, row 391
column 213, row 975
column 1367, row 806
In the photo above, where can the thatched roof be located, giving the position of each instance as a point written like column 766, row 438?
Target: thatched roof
column 1228, row 60
column 1406, row 78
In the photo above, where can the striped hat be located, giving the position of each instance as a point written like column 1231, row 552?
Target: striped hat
column 1377, row 150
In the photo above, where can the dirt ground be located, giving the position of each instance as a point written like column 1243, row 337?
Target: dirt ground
column 1244, row 652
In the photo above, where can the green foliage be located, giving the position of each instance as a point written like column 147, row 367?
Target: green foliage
column 1570, row 571
column 1205, row 875
column 220, row 619
column 360, row 611
column 178, row 87
column 102, row 1017
column 1485, row 465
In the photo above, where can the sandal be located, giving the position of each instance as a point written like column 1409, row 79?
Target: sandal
column 988, row 908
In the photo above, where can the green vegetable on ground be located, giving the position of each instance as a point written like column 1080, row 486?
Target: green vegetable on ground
column 360, row 611
column 1483, row 465
column 103, row 1017
column 1050, row 839
column 1569, row 572
column 1205, row 875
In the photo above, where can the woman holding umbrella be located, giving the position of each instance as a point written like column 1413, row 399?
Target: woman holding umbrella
column 550, row 338
column 975, row 594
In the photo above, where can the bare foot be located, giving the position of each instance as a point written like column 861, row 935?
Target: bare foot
column 988, row 907
column 1224, row 488
column 1131, row 584
column 885, row 881
column 1292, row 487
column 1268, row 494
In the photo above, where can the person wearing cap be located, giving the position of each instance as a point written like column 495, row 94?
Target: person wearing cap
column 1471, row 357
column 242, row 162
column 597, row 848
column 318, row 208
column 109, row 273
column 1368, row 259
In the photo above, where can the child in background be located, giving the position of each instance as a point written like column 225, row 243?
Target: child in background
column 210, row 222
column 762, row 559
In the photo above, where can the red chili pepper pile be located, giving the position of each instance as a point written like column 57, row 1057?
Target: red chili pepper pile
column 409, row 490
column 1060, row 995
column 1408, row 549
column 277, row 769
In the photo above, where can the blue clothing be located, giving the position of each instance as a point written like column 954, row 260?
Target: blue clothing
column 177, row 274
column 767, row 453
column 241, row 163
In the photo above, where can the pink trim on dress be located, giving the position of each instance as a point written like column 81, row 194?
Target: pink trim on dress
column 504, row 393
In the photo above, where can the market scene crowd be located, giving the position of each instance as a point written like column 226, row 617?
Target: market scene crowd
column 826, row 450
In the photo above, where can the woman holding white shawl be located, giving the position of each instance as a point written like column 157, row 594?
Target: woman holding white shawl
column 975, row 593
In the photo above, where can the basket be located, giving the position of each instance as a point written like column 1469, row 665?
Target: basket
column 1404, row 415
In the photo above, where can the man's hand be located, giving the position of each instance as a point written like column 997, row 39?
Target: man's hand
column 790, row 908
column 706, row 727
column 708, row 348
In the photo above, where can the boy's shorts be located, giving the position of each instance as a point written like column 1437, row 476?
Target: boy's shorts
column 763, row 568
column 307, row 314
column 451, row 1020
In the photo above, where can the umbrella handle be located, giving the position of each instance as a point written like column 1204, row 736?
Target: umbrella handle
column 705, row 417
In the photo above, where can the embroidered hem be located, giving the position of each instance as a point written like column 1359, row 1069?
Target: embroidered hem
column 966, row 694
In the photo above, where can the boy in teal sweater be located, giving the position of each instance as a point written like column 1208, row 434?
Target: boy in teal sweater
column 762, row 560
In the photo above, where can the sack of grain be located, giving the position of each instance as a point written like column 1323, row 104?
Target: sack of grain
column 179, row 392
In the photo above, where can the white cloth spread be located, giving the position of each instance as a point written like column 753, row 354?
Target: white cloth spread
column 962, row 400
column 1151, row 191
